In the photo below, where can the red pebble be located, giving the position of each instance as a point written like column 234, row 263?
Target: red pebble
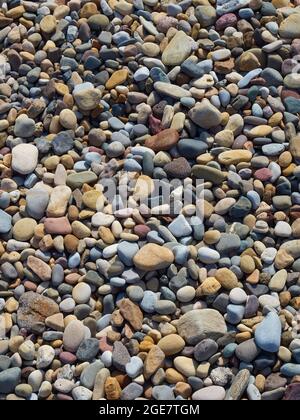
column 141, row 230
column 96, row 149
column 263, row 174
column 67, row 358
column 155, row 125
column 104, row 346
column 224, row 21
column 4, row 151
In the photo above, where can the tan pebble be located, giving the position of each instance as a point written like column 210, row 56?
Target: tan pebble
column 224, row 138
column 227, row 278
column 153, row 257
column 171, row 344
column 247, row 264
column 173, row 376
column 117, row 78
column 48, row 24
column 80, row 230
column 153, row 362
column 15, row 342
column 209, row 287
column 23, row 230
column 68, row 119
column 203, row 370
column 211, row 237
column 94, row 200
column 260, row 381
column 242, row 337
column 183, row 389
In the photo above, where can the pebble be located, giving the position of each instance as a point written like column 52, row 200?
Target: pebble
column 268, row 333
column 27, row 166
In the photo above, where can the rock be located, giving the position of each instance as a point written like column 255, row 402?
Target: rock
column 205, row 115
column 206, row 15
column 120, row 356
column 227, row 278
column 34, row 309
column 153, row 257
column 86, row 96
column 39, row 268
column 73, row 336
column 247, row 351
column 117, row 78
column 185, row 365
column 178, row 168
column 198, row 325
column 171, row 344
column 88, row 350
column 27, row 166
column 153, row 362
column 163, row 141
column 178, row 49
column 45, row 356
column 238, row 386
column 36, row 202
column 268, row 333
column 180, row 227
column 289, row 27
column 132, row 313
column 62, row 143
column 173, row 91
column 23, row 229
column 208, row 173
column 205, row 349
column 9, row 379
column 234, row 157
column 112, row 389
column 211, row 393
column 132, row 392
column 25, row 127
column 48, row 24
column 135, row 367
column 5, row 222
column 81, row 293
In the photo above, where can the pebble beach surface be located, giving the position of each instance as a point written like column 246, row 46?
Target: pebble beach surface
column 106, row 300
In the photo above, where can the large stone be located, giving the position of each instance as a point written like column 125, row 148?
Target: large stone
column 132, row 313
column 290, row 27
column 24, row 158
column 5, row 222
column 73, row 336
column 208, row 173
column 39, row 268
column 295, row 147
column 163, row 141
column 36, row 202
column 153, row 257
column 154, row 360
column 34, row 309
column 86, row 96
column 268, row 333
column 238, row 386
column 9, row 379
column 59, row 199
column 206, row 15
column 178, row 49
column 205, row 115
column 197, row 325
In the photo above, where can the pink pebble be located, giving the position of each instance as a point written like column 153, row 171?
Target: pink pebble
column 263, row 174
column 67, row 358
column 224, row 21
